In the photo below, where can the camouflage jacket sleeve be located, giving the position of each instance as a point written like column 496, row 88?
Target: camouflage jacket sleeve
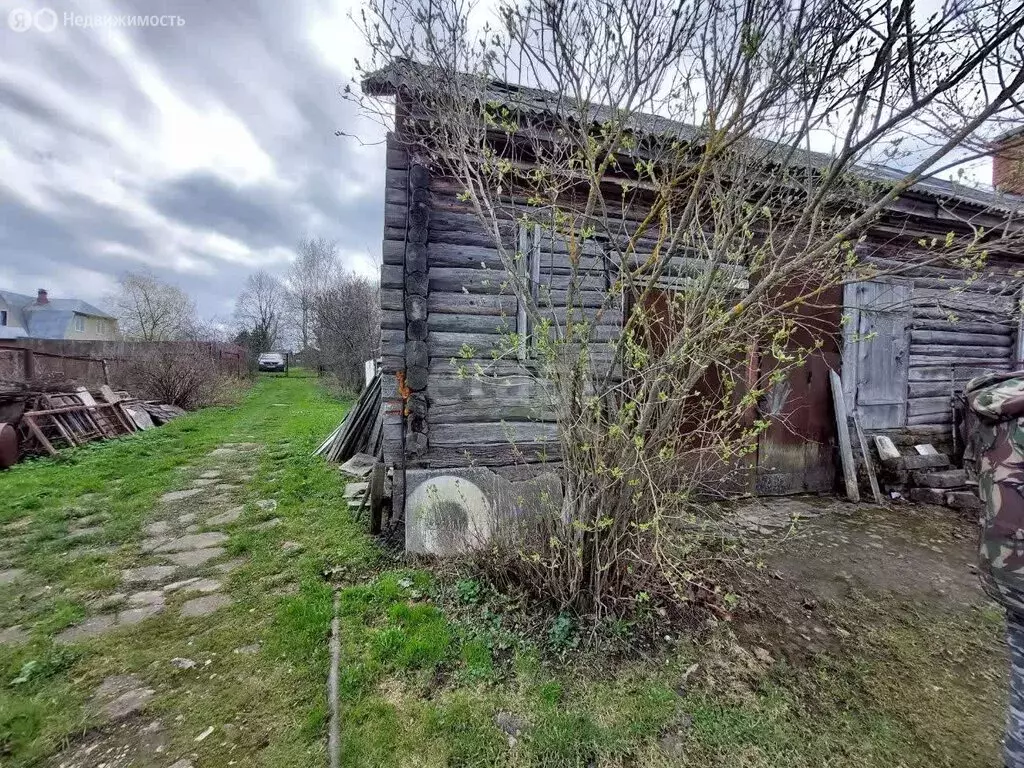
column 997, row 402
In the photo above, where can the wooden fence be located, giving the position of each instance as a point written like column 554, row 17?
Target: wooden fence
column 93, row 363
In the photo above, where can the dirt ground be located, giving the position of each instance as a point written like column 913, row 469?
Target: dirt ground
column 833, row 552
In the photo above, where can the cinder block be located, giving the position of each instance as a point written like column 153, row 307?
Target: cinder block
column 919, row 461
column 965, row 501
column 928, row 496
column 950, row 478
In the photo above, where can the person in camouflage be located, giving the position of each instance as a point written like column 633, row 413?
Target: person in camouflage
column 996, row 403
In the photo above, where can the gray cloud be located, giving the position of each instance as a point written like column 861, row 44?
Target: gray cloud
column 201, row 152
column 204, row 200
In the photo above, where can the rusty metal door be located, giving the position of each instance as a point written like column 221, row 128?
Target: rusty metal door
column 795, row 453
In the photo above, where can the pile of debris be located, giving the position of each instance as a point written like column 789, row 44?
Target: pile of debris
column 926, row 476
column 41, row 419
column 358, row 443
column 362, row 429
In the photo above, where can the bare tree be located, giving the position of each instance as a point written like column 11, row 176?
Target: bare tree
column 259, row 311
column 314, row 270
column 149, row 309
column 346, row 316
column 694, row 173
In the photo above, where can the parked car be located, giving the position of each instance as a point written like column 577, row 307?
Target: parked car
column 271, row 361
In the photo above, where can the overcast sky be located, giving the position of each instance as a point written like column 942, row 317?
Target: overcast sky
column 201, row 152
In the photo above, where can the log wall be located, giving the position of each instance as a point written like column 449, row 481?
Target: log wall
column 392, row 297
column 958, row 328
column 447, row 307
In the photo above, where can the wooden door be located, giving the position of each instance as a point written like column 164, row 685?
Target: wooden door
column 880, row 351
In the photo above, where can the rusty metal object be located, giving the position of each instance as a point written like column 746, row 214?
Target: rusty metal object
column 8, row 446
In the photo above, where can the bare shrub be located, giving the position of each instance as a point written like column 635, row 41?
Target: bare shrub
column 346, row 318
column 726, row 205
column 181, row 374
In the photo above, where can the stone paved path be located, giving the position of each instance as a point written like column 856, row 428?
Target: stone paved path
column 184, row 545
column 181, row 569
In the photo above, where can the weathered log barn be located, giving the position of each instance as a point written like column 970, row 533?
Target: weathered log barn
column 930, row 329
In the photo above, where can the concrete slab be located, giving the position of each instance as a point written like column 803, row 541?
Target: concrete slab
column 180, row 495
column 94, row 551
column 203, row 606
column 195, row 557
column 175, row 586
column 452, row 511
column 92, row 627
column 148, row 574
column 158, row 528
column 230, row 565
column 13, row 635
column 121, row 696
column 193, row 541
column 132, row 616
column 226, row 518
column 146, row 597
column 11, row 575
column 89, row 532
column 206, row 586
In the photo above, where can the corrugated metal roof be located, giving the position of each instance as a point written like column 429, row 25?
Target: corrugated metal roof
column 48, row 325
column 15, row 302
column 68, row 305
column 537, row 101
column 45, row 321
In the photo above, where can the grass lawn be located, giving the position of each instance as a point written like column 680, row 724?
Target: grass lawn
column 267, row 707
column 433, row 674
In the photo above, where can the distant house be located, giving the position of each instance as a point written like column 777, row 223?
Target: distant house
column 22, row 317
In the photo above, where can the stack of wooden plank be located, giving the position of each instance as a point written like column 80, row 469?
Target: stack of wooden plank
column 68, row 419
column 50, row 421
column 361, row 431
